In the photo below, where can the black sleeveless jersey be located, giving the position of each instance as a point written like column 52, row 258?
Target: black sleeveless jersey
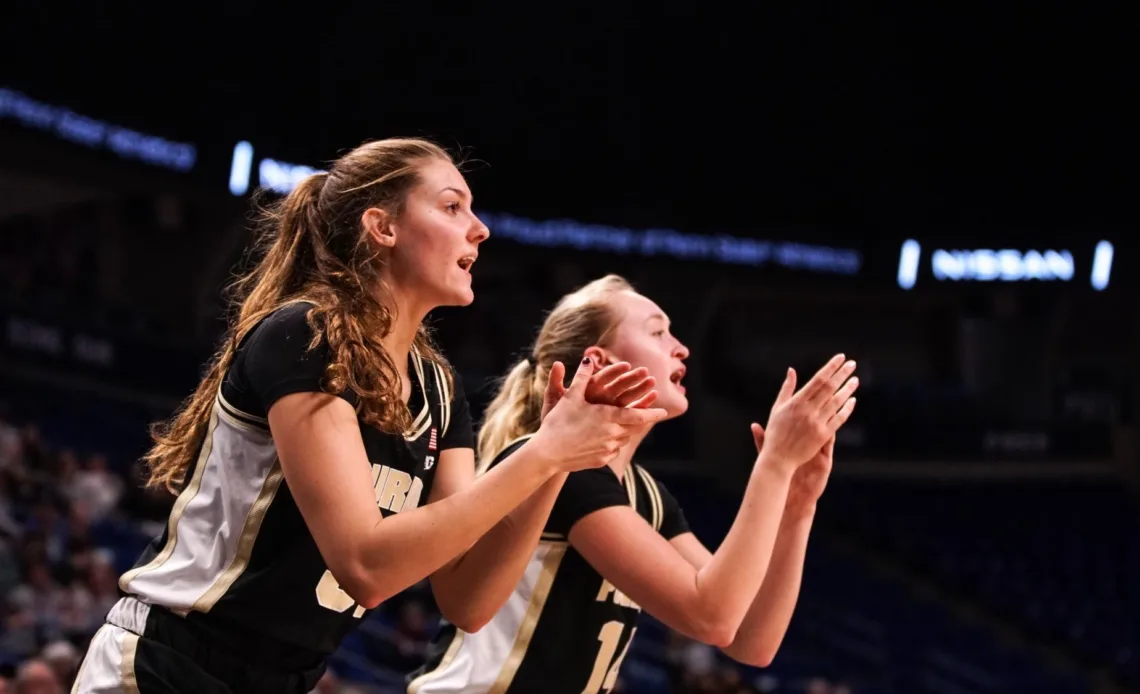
column 236, row 555
column 565, row 628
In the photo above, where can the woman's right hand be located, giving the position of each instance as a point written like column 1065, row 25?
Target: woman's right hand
column 801, row 423
column 618, row 384
column 580, row 435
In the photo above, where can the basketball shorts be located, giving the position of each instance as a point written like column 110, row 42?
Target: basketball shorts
column 148, row 650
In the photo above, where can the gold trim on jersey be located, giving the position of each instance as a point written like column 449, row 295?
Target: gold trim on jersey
column 434, row 673
column 444, row 393
column 127, row 669
column 179, row 507
column 240, row 419
column 423, row 420
column 630, row 482
column 657, row 508
column 246, row 540
column 538, row 598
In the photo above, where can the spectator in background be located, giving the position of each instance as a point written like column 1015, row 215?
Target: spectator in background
column 63, row 659
column 410, row 637
column 689, row 662
column 36, row 677
column 40, row 597
column 102, row 587
column 78, row 541
column 48, row 525
column 56, row 585
column 96, row 487
column 18, row 636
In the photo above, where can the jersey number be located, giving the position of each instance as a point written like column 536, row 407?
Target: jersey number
column 606, row 667
column 332, row 597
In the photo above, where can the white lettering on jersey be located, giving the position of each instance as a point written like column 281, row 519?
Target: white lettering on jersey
column 620, row 598
column 396, row 490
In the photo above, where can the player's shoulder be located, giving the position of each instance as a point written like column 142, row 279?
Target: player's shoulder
column 280, row 348
column 288, row 322
column 286, row 330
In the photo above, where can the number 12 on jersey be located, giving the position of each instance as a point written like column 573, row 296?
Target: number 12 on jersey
column 606, row 667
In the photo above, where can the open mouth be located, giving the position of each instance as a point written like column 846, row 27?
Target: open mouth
column 676, row 376
column 466, row 262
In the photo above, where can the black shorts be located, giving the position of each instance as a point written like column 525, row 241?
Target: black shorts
column 149, row 650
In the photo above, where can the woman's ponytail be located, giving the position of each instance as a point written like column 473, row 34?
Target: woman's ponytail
column 177, row 441
column 286, row 255
column 516, row 411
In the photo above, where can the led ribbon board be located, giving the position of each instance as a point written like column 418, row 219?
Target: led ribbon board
column 96, row 134
column 282, row 177
column 1002, row 265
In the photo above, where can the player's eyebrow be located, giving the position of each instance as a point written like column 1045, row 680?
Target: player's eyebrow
column 460, row 193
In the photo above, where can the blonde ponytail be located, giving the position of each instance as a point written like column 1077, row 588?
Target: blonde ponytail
column 515, row 411
column 579, row 321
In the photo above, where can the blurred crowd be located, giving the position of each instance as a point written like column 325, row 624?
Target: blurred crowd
column 57, row 584
column 57, row 579
column 697, row 668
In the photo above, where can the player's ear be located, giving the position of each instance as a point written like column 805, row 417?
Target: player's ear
column 601, row 357
column 377, row 224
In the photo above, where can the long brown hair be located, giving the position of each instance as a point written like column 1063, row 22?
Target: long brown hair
column 311, row 247
column 581, row 319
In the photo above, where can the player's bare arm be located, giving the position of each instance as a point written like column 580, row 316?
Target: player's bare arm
column 710, row 603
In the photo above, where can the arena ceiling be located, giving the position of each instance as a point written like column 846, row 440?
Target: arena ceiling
column 791, row 114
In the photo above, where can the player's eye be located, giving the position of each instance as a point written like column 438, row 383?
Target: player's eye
column 658, row 333
column 452, row 207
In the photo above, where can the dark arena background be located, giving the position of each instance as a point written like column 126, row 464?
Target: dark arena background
column 946, row 195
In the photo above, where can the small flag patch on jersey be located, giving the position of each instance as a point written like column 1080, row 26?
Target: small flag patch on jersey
column 432, row 440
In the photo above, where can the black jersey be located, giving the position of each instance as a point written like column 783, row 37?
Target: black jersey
column 565, row 628
column 236, row 553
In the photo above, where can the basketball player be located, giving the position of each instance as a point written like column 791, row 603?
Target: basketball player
column 616, row 540
column 305, row 464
